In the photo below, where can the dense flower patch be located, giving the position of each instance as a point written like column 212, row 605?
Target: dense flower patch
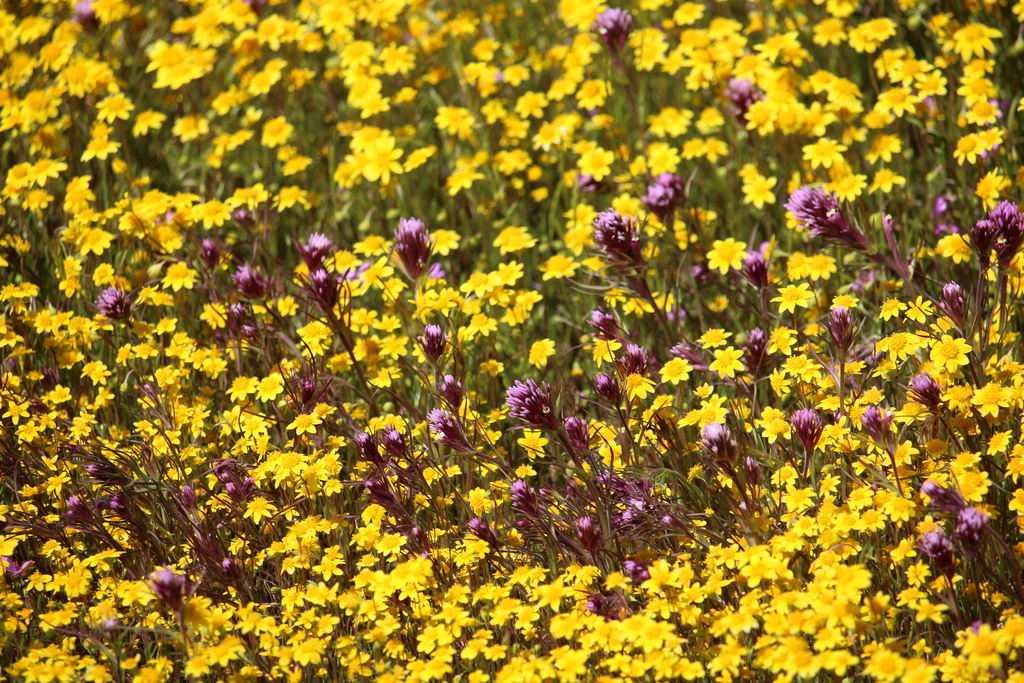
column 534, row 341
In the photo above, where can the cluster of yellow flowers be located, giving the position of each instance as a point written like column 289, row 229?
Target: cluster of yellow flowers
column 396, row 340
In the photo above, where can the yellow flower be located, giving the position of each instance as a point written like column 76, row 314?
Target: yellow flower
column 557, row 267
column 727, row 362
column 259, row 509
column 305, row 424
column 638, row 386
column 596, row 163
column 825, row 152
column 540, row 351
column 179, row 276
column 949, row 353
column 726, row 254
column 276, row 132
column 792, row 296
column 675, row 371
column 758, row 191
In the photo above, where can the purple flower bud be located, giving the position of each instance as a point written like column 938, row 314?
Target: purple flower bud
column 524, row 498
column 586, row 183
column 578, row 433
column 187, row 497
column 945, row 499
column 717, row 442
column 607, row 606
column 819, row 211
column 244, row 218
column 840, row 328
column 607, row 387
column 664, row 196
column 614, row 26
column 170, row 588
column 250, row 283
column 317, row 248
column 939, row 207
column 635, row 361
column 636, row 571
column 926, row 391
column 413, row 245
column 755, row 269
column 1009, row 222
column 808, row 426
column 604, row 323
column 451, row 390
column 530, row 402
column 692, row 353
column 742, row 93
column 936, row 546
column 752, row 470
column 85, row 16
column 877, row 424
column 79, row 511
column 483, row 531
column 588, row 533
column 106, row 473
column 616, row 235
column 209, row 253
column 433, row 341
column 755, row 350
column 366, row 445
column 954, row 304
column 447, row 429
column 393, row 442
column 379, row 491
column 971, row 525
column 113, row 304
column 325, row 288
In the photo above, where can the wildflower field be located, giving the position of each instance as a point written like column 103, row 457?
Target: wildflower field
column 511, row 342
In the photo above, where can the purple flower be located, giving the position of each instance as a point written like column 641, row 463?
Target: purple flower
column 325, row 288
column 393, row 442
column 114, row 304
column 808, row 426
column 604, row 323
column 840, row 328
column 939, row 206
column 433, row 341
column 317, row 247
column 635, row 361
column 971, row 525
column 209, row 253
column 451, row 390
column 588, row 533
column 614, row 26
column 742, row 93
column 250, row 283
column 578, row 433
column 636, row 571
column 954, row 304
column 926, row 391
column 755, row 269
column 616, row 235
column 664, row 196
column 752, row 470
column 16, row 568
column 447, row 429
column 607, row 387
column 754, row 351
column 935, row 545
column 79, row 511
column 524, row 498
column 1009, row 222
column 530, row 402
column 483, row 531
column 85, row 16
column 413, row 245
column 945, row 499
column 170, row 588
column 716, row 441
column 877, row 424
column 819, row 211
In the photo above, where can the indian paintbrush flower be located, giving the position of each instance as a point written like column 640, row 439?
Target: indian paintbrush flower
column 614, row 26
column 819, row 211
column 530, row 403
column 413, row 246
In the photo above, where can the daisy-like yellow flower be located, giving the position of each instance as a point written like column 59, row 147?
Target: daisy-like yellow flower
column 638, row 386
column 305, row 424
column 950, row 354
column 792, row 296
column 727, row 362
column 726, row 254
